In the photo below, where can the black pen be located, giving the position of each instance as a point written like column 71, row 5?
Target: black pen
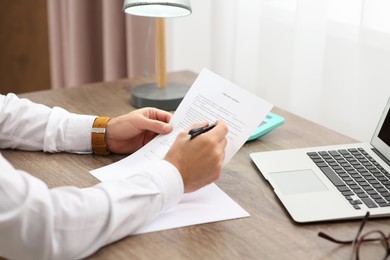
column 200, row 130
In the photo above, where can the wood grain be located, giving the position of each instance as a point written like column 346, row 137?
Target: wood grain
column 269, row 233
column 24, row 46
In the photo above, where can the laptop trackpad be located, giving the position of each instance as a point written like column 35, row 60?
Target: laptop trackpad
column 295, row 182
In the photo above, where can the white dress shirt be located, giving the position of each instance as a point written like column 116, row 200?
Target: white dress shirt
column 68, row 222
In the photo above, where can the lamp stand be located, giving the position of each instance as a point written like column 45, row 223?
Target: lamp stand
column 161, row 95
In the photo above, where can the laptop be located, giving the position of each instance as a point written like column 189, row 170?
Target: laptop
column 332, row 182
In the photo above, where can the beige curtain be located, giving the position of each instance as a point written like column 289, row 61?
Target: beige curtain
column 93, row 40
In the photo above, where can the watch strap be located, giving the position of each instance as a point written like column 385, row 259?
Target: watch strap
column 99, row 145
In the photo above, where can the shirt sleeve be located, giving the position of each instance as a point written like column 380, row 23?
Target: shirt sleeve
column 72, row 223
column 29, row 126
column 67, row 222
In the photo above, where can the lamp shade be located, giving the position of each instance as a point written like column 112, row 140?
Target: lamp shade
column 158, row 8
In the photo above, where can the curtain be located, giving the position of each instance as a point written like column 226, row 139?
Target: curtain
column 94, row 40
column 325, row 60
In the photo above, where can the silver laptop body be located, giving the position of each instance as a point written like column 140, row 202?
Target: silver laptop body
column 304, row 182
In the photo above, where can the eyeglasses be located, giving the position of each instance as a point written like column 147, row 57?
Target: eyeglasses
column 371, row 236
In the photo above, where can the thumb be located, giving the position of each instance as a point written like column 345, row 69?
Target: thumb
column 157, row 126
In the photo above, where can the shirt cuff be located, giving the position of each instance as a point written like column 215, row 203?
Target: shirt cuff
column 168, row 179
column 68, row 132
column 78, row 134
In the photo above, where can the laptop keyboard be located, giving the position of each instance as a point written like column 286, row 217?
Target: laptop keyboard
column 356, row 175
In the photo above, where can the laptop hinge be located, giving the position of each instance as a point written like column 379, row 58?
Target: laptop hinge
column 387, row 161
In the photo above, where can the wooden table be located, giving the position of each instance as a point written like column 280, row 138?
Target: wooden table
column 269, row 233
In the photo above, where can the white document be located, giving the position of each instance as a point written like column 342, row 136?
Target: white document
column 210, row 98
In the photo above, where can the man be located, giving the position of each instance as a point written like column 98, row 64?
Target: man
column 71, row 223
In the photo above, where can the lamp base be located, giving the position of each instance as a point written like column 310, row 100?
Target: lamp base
column 150, row 95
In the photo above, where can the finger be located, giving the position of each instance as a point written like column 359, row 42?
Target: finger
column 219, row 131
column 222, row 145
column 149, row 136
column 157, row 120
column 157, row 126
column 161, row 115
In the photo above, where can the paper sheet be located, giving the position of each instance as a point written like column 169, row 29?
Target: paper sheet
column 211, row 97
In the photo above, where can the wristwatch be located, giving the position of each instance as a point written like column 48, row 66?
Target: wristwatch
column 99, row 145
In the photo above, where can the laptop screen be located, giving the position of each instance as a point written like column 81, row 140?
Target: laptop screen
column 384, row 132
column 381, row 137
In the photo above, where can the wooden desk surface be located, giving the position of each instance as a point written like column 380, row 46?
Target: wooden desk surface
column 269, row 233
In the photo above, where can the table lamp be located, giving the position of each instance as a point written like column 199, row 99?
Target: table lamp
column 161, row 94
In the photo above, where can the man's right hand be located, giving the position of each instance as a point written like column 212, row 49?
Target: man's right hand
column 199, row 160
